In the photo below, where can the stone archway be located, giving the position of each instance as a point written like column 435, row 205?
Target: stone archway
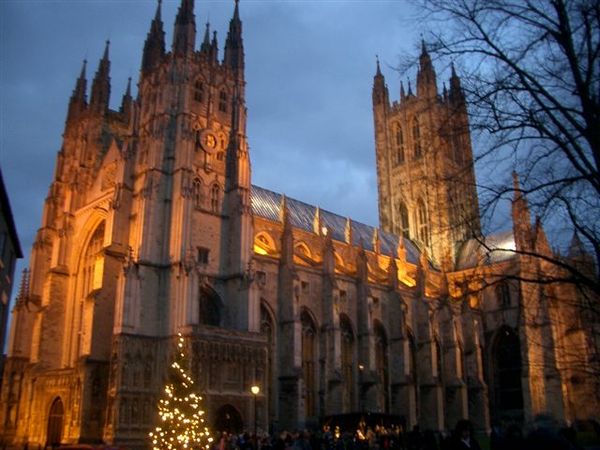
column 229, row 419
column 55, row 423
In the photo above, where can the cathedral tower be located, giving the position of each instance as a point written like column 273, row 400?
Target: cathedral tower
column 425, row 173
column 146, row 233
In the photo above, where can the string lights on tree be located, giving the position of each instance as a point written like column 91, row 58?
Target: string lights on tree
column 181, row 417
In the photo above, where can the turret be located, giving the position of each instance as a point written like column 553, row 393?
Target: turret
column 426, row 83
column 184, row 35
column 100, row 97
column 214, row 49
column 234, row 45
column 236, row 175
column 205, row 46
column 78, row 101
column 456, row 95
column 126, row 102
column 380, row 90
column 521, row 217
column 154, row 47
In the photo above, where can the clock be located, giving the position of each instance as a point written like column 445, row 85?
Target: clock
column 208, row 141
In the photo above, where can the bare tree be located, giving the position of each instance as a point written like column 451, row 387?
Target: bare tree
column 531, row 75
column 530, row 71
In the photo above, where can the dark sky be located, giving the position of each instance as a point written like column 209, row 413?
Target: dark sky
column 309, row 71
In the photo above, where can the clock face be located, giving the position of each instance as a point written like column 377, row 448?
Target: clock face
column 208, row 140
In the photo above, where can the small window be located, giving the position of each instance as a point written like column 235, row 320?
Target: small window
column 199, row 91
column 343, row 296
column 223, row 101
column 203, row 255
column 220, row 156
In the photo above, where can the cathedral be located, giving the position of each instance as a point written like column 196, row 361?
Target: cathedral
column 152, row 227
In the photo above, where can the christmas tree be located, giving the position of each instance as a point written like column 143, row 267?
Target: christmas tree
column 181, row 422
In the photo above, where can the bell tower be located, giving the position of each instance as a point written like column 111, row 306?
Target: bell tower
column 425, row 173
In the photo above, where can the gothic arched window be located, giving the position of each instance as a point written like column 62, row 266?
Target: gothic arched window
column 403, row 219
column 347, row 362
column 417, row 139
column 506, row 358
column 92, row 262
column 381, row 366
column 267, row 329
column 422, row 225
column 197, row 193
column 215, row 194
column 223, row 101
column 399, row 145
column 309, row 359
column 199, row 91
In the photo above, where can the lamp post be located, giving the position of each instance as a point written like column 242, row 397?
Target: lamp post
column 255, row 390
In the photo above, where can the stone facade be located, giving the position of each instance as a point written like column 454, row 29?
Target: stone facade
column 152, row 227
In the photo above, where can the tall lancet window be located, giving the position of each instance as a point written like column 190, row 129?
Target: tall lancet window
column 90, row 275
column 403, row 225
column 215, row 194
column 381, row 367
column 422, row 225
column 417, row 139
column 223, row 101
column 267, row 329
column 309, row 360
column 399, row 145
column 347, row 363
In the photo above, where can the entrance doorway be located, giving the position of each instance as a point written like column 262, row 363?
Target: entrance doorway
column 55, row 423
column 228, row 418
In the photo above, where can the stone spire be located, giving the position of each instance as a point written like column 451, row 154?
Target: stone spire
column 456, row 93
column 184, row 35
column 127, row 100
column 154, row 47
column 521, row 217
column 78, row 101
column 426, row 82
column 380, row 90
column 205, row 46
column 214, row 49
column 101, row 85
column 23, row 294
column 234, row 45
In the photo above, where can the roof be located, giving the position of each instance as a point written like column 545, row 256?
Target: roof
column 487, row 250
column 267, row 204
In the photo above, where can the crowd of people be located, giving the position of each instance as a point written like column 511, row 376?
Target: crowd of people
column 507, row 436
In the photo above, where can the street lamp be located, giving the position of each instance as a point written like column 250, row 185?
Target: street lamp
column 255, row 390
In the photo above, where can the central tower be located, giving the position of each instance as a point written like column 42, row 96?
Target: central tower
column 425, row 174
